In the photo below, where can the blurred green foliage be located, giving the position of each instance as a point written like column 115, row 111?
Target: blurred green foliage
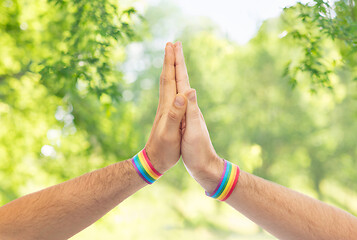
column 61, row 88
column 79, row 90
column 312, row 25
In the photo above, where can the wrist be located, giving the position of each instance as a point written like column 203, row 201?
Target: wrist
column 160, row 165
column 209, row 176
column 144, row 167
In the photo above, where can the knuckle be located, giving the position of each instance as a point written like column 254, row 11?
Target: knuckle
column 172, row 115
column 183, row 78
column 164, row 78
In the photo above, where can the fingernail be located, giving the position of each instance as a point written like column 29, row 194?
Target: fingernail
column 179, row 101
column 192, row 95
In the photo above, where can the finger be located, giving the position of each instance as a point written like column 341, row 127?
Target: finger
column 183, row 124
column 193, row 113
column 175, row 114
column 167, row 78
column 182, row 81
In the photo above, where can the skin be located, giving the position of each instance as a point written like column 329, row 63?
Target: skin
column 281, row 211
column 63, row 210
column 60, row 211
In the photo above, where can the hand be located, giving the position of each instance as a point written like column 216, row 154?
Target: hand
column 198, row 154
column 163, row 146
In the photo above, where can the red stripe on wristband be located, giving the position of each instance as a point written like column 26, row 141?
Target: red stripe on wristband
column 144, row 167
column 227, row 182
column 151, row 166
column 233, row 186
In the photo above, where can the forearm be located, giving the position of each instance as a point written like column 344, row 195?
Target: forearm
column 63, row 210
column 288, row 214
column 283, row 212
column 67, row 208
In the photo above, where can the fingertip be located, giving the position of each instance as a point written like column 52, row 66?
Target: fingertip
column 169, row 44
column 177, row 51
column 169, row 52
column 169, row 47
column 180, row 100
column 191, row 95
column 179, row 58
column 178, row 44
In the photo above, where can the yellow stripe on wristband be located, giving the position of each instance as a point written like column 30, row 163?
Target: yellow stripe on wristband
column 229, row 184
column 146, row 166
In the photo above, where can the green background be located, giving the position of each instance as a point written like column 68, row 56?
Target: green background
column 79, row 90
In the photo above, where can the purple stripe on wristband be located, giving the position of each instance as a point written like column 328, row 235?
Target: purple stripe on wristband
column 137, row 170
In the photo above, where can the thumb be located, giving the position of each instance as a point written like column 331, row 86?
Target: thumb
column 193, row 113
column 176, row 113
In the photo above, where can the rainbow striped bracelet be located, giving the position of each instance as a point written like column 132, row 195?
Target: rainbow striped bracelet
column 227, row 183
column 144, row 167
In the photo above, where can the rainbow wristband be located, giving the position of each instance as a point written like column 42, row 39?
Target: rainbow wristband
column 227, row 183
column 144, row 167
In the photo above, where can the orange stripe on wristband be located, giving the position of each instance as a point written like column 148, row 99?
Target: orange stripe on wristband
column 233, row 186
column 227, row 183
column 144, row 167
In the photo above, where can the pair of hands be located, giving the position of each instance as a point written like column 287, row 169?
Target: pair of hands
column 179, row 127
